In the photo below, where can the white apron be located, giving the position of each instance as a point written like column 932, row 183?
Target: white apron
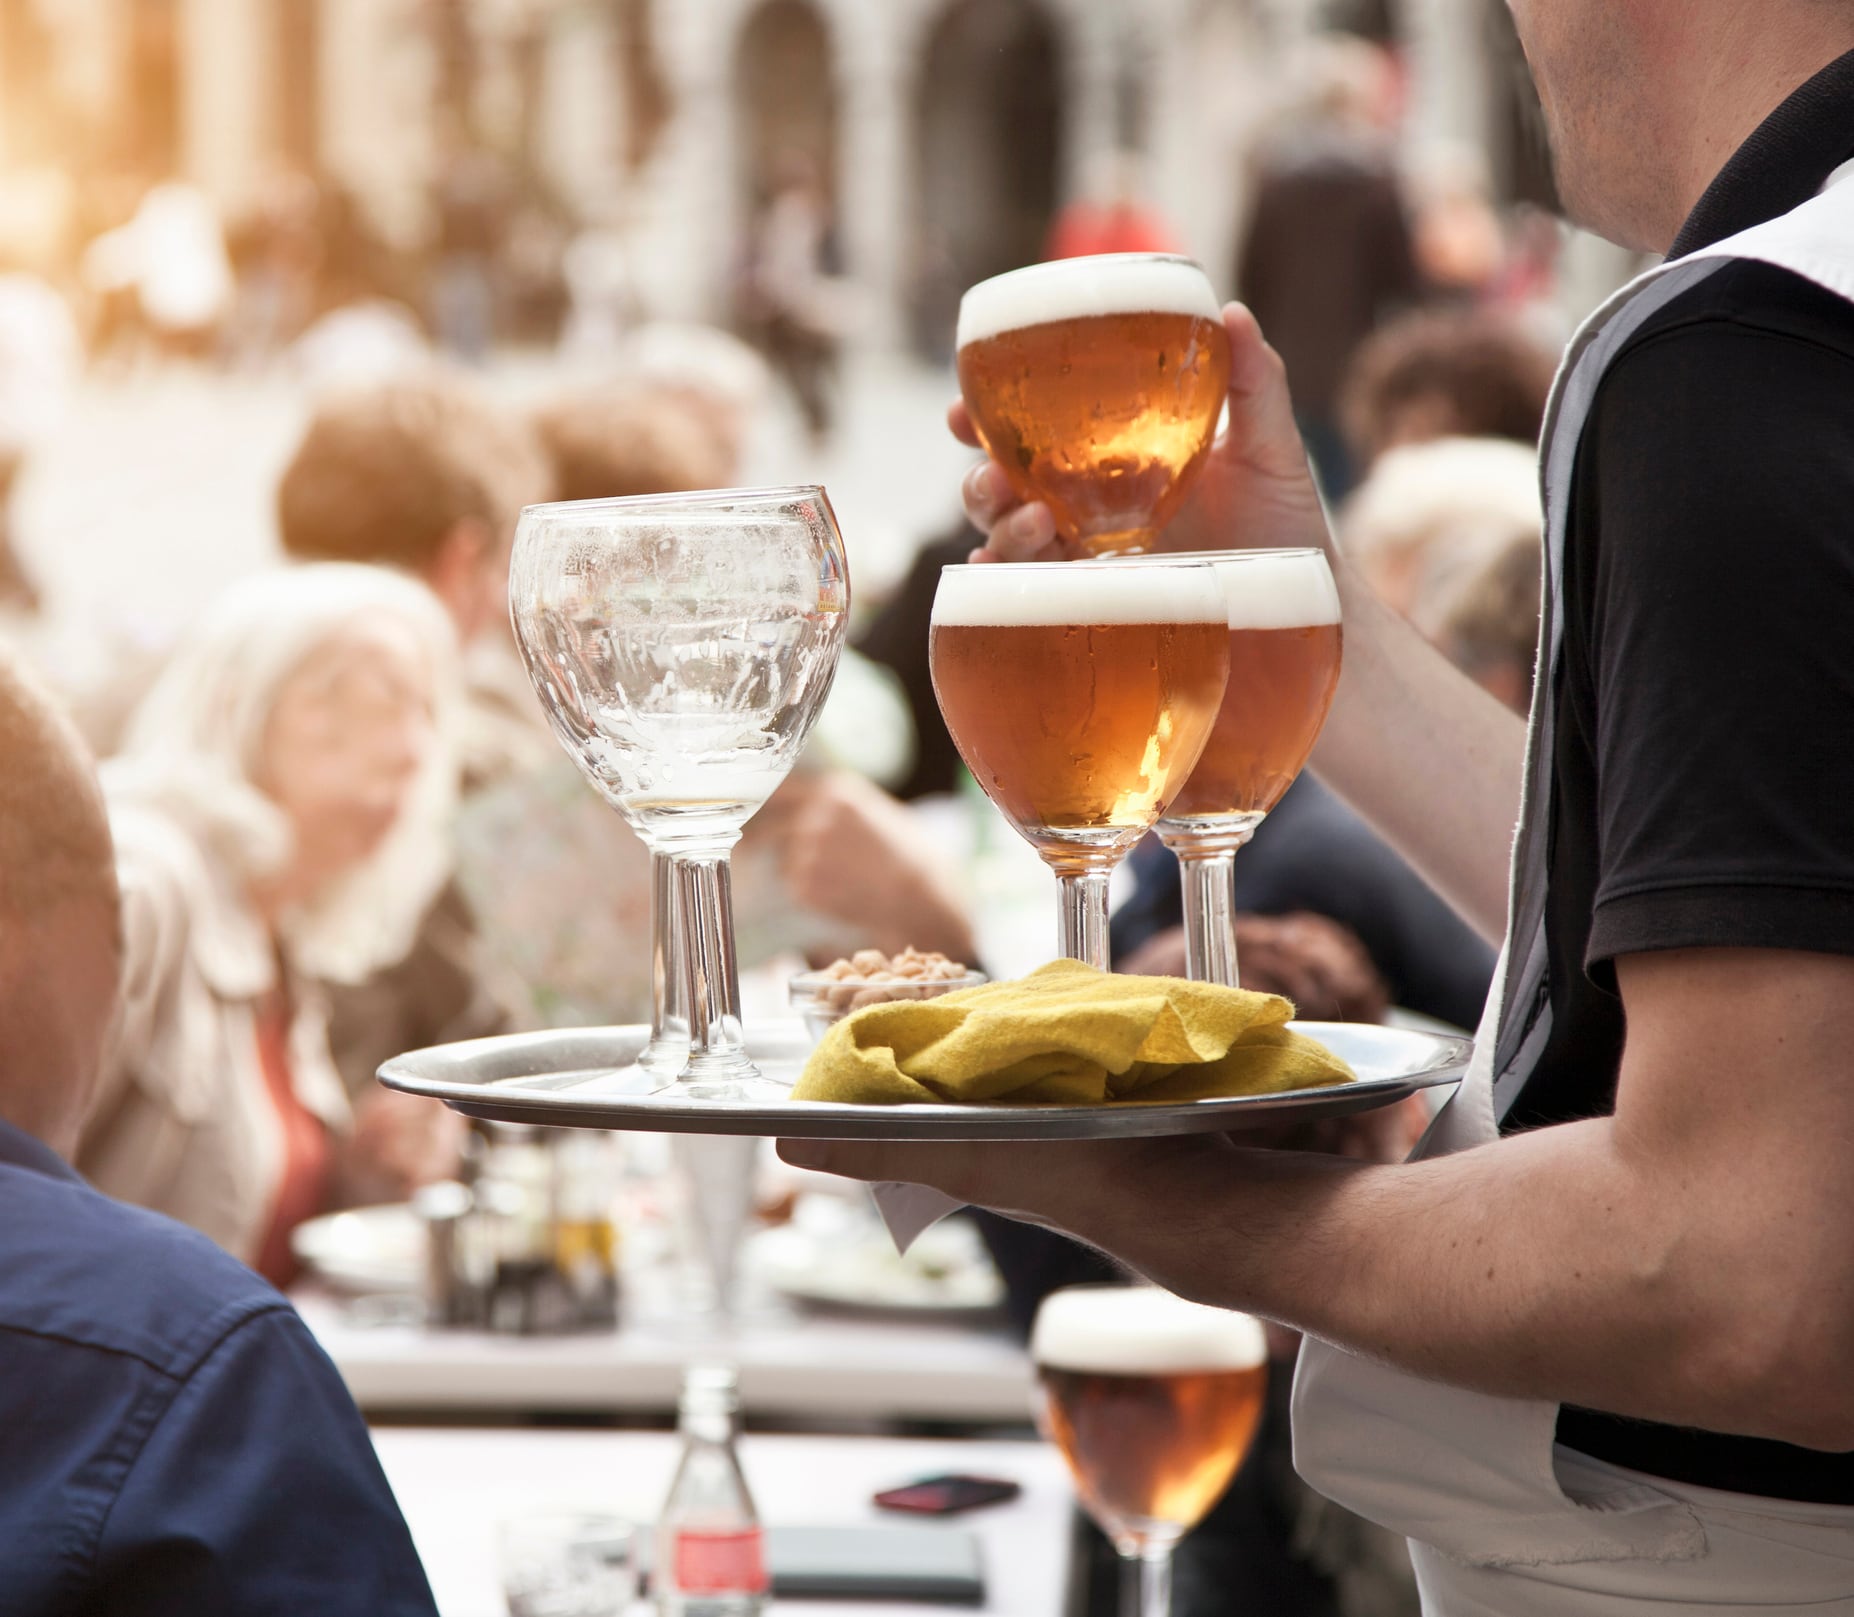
column 1500, row 1522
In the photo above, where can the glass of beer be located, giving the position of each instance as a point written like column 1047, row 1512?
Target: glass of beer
column 682, row 646
column 1153, row 1402
column 1080, row 695
column 1096, row 383
column 1285, row 645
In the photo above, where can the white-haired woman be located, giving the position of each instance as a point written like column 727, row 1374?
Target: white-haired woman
column 280, row 809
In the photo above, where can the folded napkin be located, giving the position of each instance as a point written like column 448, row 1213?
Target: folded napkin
column 1071, row 1035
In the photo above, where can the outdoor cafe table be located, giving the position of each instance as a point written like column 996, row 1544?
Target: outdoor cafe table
column 457, row 1486
column 794, row 1366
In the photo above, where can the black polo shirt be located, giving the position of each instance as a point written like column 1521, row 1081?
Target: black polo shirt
column 1703, row 771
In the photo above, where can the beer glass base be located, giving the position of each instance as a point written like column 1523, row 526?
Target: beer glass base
column 1118, row 541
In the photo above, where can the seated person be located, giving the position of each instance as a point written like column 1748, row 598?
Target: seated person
column 1427, row 507
column 1484, row 615
column 427, row 475
column 278, row 811
column 1445, row 373
column 176, row 1443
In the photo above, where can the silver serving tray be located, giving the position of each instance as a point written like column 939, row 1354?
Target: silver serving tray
column 571, row 1078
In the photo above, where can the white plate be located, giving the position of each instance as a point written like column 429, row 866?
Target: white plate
column 946, row 1273
column 365, row 1249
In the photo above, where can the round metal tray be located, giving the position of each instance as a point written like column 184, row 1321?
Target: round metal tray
column 572, row 1078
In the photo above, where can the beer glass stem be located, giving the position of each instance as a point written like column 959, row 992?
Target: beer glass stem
column 1146, row 1582
column 1083, row 897
column 1209, row 883
column 705, row 908
column 669, row 986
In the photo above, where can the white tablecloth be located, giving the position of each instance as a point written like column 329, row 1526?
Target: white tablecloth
column 804, row 1367
column 455, row 1486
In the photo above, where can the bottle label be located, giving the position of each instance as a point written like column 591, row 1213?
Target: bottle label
column 709, row 1563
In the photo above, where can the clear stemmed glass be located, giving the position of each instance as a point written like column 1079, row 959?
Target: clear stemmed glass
column 1080, row 695
column 1285, row 647
column 1154, row 1402
column 682, row 645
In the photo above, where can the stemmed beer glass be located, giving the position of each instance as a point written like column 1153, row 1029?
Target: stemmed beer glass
column 1095, row 384
column 1080, row 695
column 682, row 645
column 1285, row 646
column 1154, row 1402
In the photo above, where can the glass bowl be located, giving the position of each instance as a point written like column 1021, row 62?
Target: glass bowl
column 822, row 1000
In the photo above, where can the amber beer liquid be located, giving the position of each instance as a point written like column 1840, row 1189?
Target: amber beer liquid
column 1153, row 1402
column 1285, row 648
column 1080, row 697
column 1095, row 383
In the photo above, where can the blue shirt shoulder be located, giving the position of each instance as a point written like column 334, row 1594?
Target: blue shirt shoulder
column 176, row 1441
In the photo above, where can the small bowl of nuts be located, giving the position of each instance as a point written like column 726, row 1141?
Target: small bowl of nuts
column 870, row 977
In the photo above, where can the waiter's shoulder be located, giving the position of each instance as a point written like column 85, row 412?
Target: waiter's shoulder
column 1748, row 304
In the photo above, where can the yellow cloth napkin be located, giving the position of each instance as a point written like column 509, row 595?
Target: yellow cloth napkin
column 1073, row 1035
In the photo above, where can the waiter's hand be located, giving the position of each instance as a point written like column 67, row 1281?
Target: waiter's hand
column 1054, row 1183
column 1255, row 491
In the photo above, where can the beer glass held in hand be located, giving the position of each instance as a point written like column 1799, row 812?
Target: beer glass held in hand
column 1285, row 644
column 1080, row 695
column 682, row 646
column 1153, row 1402
column 1095, row 383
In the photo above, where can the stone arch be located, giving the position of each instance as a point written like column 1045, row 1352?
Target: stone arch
column 987, row 117
column 785, row 99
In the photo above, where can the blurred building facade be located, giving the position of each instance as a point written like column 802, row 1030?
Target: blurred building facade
column 945, row 132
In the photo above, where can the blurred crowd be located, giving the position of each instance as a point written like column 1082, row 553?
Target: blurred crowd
column 341, row 828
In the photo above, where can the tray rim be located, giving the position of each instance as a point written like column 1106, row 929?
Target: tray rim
column 909, row 1122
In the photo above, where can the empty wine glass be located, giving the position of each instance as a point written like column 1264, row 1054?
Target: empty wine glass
column 682, row 645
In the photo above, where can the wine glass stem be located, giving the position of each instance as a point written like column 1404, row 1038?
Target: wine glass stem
column 1155, row 1581
column 1083, row 897
column 669, row 1001
column 705, row 907
column 1209, row 883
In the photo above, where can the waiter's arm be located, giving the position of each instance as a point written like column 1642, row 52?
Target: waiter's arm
column 1415, row 746
column 1685, row 1261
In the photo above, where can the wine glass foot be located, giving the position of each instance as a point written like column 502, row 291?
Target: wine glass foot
column 731, row 1079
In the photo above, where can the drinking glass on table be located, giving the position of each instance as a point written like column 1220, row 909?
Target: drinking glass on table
column 1095, row 384
column 682, row 645
column 1153, row 1402
column 1080, row 695
column 1285, row 647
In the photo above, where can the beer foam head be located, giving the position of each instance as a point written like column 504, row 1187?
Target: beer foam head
column 1141, row 1331
column 1060, row 593
column 1280, row 589
column 1075, row 288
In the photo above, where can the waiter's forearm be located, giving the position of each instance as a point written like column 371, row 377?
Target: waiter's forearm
column 1433, row 761
column 1548, row 1266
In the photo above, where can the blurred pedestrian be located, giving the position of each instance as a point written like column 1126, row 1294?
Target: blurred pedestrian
column 278, row 810
column 1112, row 215
column 171, row 259
column 796, row 301
column 471, row 203
column 1327, row 253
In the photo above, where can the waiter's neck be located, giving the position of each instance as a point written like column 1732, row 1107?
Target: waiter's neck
column 1714, row 74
